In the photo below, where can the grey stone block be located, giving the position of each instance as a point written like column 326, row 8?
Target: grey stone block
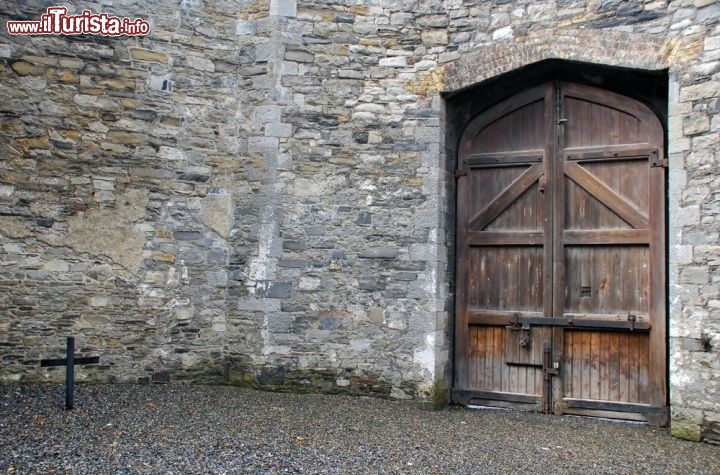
column 380, row 253
column 287, row 8
column 274, row 290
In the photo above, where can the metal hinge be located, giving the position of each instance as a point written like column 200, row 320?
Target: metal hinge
column 656, row 161
column 458, row 173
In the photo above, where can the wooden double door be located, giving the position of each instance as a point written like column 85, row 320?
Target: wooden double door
column 561, row 302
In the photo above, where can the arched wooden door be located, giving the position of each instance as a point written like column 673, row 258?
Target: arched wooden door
column 561, row 256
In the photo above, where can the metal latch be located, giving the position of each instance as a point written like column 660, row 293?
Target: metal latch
column 524, row 336
column 632, row 318
column 523, row 330
column 550, row 367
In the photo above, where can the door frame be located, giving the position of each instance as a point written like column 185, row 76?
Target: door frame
column 658, row 258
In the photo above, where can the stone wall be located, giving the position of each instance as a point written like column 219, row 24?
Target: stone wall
column 260, row 192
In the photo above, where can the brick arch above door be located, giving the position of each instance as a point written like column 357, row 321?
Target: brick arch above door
column 609, row 48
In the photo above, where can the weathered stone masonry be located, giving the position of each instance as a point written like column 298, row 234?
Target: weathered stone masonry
column 261, row 192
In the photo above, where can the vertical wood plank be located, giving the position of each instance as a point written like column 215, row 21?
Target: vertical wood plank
column 614, row 135
column 643, row 369
column 614, row 377
column 474, row 356
column 633, row 370
column 489, row 359
column 657, row 345
column 623, row 367
column 629, row 129
column 595, row 358
column 587, row 365
column 604, row 363
column 499, row 366
column 558, row 135
column 568, row 360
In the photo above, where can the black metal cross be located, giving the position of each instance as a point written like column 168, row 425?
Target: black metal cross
column 69, row 364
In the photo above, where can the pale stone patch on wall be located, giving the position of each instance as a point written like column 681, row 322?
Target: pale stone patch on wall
column 14, row 227
column 112, row 232
column 216, row 211
column 287, row 8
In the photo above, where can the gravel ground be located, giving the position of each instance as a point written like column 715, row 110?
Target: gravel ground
column 179, row 429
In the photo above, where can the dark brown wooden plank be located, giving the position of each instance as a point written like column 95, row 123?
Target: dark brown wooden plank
column 483, row 354
column 596, row 356
column 643, row 369
column 510, row 373
column 574, row 282
column 475, row 276
column 629, row 128
column 633, row 369
column 657, row 298
column 498, row 357
column 479, row 316
column 495, row 159
column 586, row 350
column 473, row 356
column 609, row 152
column 557, row 138
column 488, row 382
column 614, row 406
column 613, row 367
column 506, row 197
column 606, row 195
column 574, row 121
column 604, row 237
column 516, row 280
column 609, row 174
column 622, row 355
column 462, row 284
column 496, row 395
column 578, row 321
column 585, row 117
column 566, row 368
column 604, row 371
